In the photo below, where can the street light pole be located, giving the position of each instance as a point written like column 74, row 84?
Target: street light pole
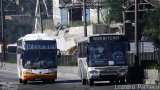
column 84, row 18
column 136, row 35
column 98, row 18
column 3, row 35
column 40, row 17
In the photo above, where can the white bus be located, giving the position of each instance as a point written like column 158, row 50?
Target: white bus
column 37, row 56
column 102, row 58
column 12, row 48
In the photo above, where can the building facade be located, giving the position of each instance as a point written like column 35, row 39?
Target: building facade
column 67, row 12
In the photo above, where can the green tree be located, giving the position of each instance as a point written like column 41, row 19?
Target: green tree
column 15, row 30
column 29, row 6
column 153, row 25
column 115, row 8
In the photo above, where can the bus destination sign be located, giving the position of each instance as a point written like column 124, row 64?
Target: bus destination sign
column 105, row 38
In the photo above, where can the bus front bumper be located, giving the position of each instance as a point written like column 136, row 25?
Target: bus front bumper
column 109, row 76
column 39, row 76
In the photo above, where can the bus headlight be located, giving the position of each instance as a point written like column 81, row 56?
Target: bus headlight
column 123, row 70
column 27, row 71
column 94, row 72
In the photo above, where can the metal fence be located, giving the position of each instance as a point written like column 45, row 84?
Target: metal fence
column 147, row 56
column 72, row 60
column 67, row 60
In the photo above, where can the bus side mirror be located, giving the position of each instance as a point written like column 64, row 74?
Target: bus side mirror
column 21, row 56
column 87, row 52
column 128, row 47
column 58, row 53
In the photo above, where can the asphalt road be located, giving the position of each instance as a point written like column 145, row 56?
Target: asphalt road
column 9, row 81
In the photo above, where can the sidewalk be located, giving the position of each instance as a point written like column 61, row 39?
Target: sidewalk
column 10, row 67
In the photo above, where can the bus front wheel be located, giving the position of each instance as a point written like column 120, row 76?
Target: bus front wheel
column 84, row 81
column 52, row 80
column 20, row 80
column 122, row 80
column 90, row 82
column 112, row 82
column 25, row 81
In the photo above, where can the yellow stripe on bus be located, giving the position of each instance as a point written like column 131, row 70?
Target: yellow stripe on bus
column 39, row 76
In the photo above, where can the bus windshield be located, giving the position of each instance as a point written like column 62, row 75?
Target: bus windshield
column 106, row 53
column 39, row 59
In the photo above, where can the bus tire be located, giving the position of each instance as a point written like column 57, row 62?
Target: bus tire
column 84, row 81
column 112, row 82
column 122, row 81
column 52, row 80
column 48, row 81
column 20, row 80
column 44, row 81
column 91, row 82
column 117, row 81
column 25, row 81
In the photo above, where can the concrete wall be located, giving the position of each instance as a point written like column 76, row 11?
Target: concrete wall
column 99, row 29
column 68, row 70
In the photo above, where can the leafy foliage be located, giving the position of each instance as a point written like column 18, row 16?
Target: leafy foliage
column 153, row 66
column 115, row 10
column 15, row 30
column 154, row 25
column 29, row 6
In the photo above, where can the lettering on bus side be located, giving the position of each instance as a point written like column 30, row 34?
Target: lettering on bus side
column 105, row 38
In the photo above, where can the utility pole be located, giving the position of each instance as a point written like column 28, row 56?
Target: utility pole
column 136, row 35
column 3, row 35
column 98, row 21
column 137, row 71
column 40, row 17
column 38, row 20
column 84, row 18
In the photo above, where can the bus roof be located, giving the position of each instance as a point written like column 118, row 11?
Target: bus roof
column 38, row 36
column 15, row 44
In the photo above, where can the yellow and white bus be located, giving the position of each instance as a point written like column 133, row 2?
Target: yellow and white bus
column 37, row 56
column 103, row 57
